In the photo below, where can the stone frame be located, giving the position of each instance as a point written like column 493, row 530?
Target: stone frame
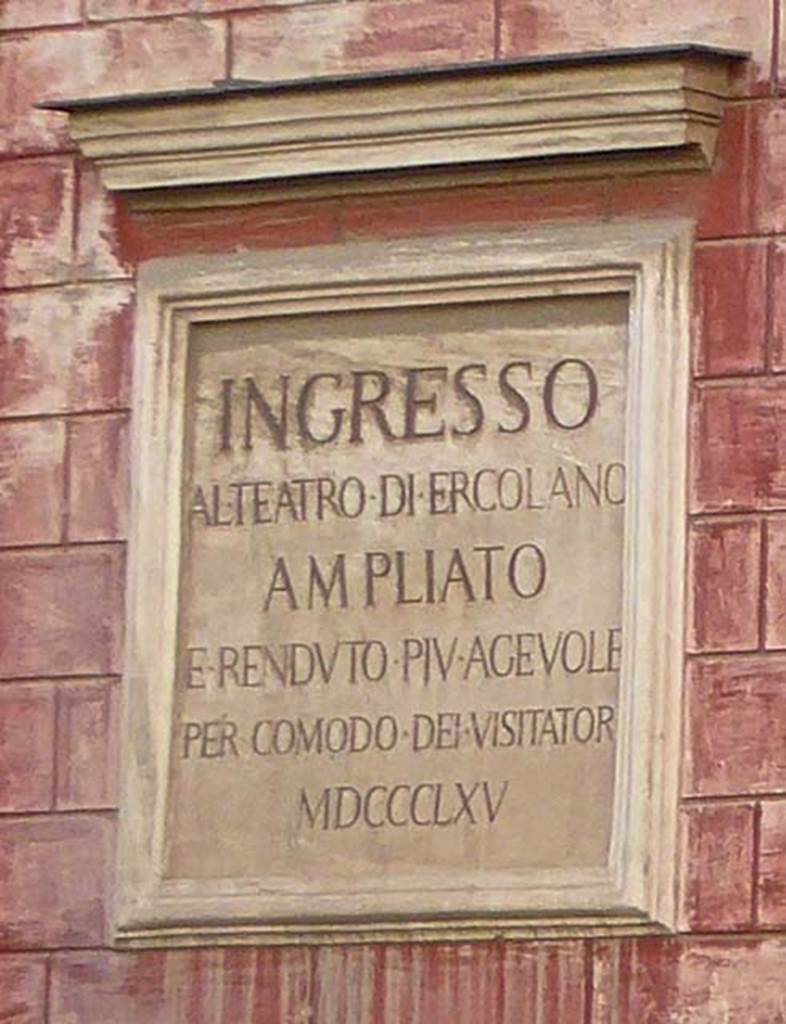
column 650, row 260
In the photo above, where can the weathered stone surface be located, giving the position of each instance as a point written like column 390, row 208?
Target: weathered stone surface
column 439, row 572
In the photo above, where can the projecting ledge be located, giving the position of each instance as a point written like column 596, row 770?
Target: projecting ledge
column 659, row 108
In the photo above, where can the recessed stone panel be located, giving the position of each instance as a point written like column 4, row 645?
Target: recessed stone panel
column 400, row 628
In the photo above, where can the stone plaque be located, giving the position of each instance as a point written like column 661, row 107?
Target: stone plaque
column 400, row 607
column 395, row 691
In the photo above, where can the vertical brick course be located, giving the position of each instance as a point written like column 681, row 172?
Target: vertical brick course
column 344, row 982
column 428, row 985
column 543, row 982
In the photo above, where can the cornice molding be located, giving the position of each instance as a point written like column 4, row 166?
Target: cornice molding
column 656, row 108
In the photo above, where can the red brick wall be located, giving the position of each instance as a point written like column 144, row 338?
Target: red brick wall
column 67, row 260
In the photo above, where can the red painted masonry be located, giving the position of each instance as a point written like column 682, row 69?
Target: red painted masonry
column 68, row 254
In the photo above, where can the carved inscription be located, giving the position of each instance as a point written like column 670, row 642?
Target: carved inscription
column 399, row 632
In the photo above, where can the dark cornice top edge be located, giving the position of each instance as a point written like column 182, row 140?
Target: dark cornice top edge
column 244, row 87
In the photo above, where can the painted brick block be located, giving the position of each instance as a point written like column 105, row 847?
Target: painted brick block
column 217, row 986
column 417, row 213
column 730, row 200
column 31, row 481
column 367, row 35
column 546, row 982
column 739, row 441
column 730, row 308
column 98, row 475
column 97, row 239
column 772, row 865
column 65, row 350
column 438, row 983
column 775, row 595
column 27, row 742
column 36, row 217
column 761, row 162
column 22, row 989
column 736, row 726
column 771, row 188
column 735, row 981
column 54, row 875
column 723, row 585
column 87, row 744
column 101, row 61
column 268, row 226
column 61, row 611
column 739, row 981
column 779, row 307
column 18, row 14
column 531, row 27
column 717, row 891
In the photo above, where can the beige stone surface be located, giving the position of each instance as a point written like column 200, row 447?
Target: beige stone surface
column 440, row 610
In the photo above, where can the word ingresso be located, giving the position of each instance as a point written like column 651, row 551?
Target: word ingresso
column 405, row 405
